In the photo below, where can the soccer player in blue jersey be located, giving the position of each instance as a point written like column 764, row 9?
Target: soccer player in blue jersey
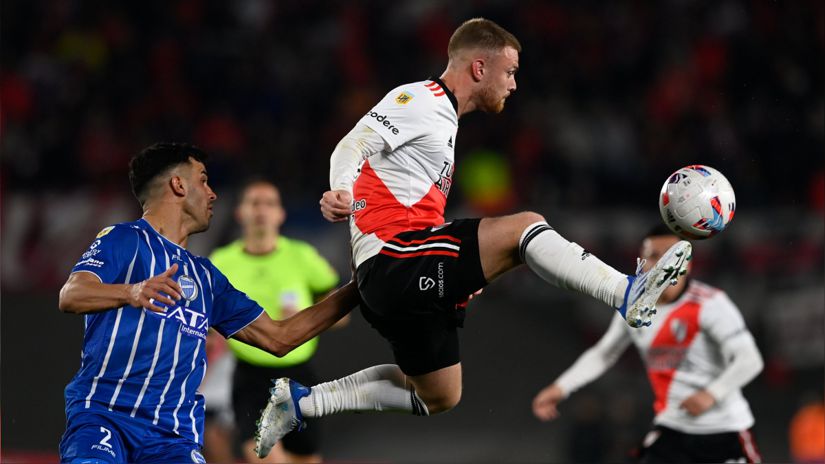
column 147, row 304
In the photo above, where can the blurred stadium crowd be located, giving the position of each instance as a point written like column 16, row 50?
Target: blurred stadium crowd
column 612, row 98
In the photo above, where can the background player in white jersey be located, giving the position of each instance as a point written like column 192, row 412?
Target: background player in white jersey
column 390, row 176
column 698, row 354
column 147, row 304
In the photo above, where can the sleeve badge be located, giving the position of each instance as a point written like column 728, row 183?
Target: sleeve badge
column 403, row 98
column 105, row 231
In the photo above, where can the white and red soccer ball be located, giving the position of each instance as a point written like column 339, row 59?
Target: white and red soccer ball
column 697, row 202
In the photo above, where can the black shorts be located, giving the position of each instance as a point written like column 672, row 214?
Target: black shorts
column 415, row 289
column 665, row 445
column 250, row 392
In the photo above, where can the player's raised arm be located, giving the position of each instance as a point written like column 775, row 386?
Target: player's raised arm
column 281, row 337
column 359, row 144
column 104, row 277
column 84, row 293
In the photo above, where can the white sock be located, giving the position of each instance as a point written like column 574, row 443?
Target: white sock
column 567, row 265
column 378, row 388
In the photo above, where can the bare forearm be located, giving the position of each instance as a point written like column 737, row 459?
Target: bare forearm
column 281, row 337
column 84, row 293
column 343, row 322
column 310, row 322
column 87, row 296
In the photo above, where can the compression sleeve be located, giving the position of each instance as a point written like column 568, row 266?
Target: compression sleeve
column 358, row 145
column 596, row 360
column 743, row 362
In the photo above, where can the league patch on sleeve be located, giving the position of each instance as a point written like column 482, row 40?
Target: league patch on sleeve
column 404, row 97
column 105, row 231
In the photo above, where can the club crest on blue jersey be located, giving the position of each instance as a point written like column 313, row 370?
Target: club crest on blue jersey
column 188, row 287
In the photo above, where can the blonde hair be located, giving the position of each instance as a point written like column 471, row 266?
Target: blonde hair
column 482, row 34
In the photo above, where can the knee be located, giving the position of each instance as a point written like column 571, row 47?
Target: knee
column 442, row 403
column 529, row 217
column 522, row 221
column 501, row 236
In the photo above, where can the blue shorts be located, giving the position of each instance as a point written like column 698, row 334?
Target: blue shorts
column 94, row 437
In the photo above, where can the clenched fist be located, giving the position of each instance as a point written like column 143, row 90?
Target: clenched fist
column 336, row 205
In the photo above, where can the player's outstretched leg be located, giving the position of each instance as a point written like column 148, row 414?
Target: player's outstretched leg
column 508, row 241
column 378, row 388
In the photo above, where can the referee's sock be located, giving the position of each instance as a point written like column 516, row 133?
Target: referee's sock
column 377, row 388
column 567, row 265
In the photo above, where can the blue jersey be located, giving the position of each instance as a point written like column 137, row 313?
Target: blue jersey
column 144, row 364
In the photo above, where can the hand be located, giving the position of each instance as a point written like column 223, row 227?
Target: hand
column 697, row 403
column 544, row 404
column 336, row 205
column 142, row 294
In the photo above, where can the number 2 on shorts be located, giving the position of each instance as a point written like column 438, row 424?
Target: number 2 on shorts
column 105, row 440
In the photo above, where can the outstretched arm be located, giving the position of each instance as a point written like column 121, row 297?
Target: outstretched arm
column 281, row 337
column 587, row 368
column 84, row 293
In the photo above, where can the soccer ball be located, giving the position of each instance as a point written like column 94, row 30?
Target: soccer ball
column 697, row 202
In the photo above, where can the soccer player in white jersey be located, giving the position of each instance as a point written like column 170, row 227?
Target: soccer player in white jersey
column 698, row 354
column 390, row 177
column 147, row 304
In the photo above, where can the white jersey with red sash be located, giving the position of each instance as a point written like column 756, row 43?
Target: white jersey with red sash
column 681, row 351
column 691, row 343
column 405, row 187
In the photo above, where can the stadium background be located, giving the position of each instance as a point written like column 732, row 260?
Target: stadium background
column 612, row 97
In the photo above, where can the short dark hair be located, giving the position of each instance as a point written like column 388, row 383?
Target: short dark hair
column 481, row 33
column 659, row 230
column 157, row 159
column 256, row 180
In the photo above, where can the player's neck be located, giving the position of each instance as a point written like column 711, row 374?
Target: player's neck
column 453, row 81
column 170, row 226
column 260, row 243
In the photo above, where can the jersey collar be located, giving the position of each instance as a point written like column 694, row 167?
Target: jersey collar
column 448, row 92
